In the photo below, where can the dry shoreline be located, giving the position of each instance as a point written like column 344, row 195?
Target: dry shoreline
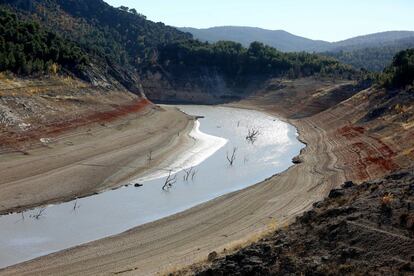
column 189, row 236
column 230, row 220
column 92, row 159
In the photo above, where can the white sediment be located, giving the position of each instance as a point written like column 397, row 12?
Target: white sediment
column 204, row 146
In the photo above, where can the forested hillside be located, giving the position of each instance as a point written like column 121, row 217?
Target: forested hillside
column 237, row 62
column 372, row 52
column 382, row 39
column 123, row 44
column 26, row 48
column 401, row 72
column 372, row 58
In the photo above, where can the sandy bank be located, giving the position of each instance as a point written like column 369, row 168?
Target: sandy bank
column 92, row 159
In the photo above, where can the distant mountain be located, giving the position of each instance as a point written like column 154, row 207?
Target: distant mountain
column 391, row 38
column 288, row 42
column 373, row 52
column 278, row 39
column 371, row 57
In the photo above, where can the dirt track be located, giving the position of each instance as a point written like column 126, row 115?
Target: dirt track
column 190, row 236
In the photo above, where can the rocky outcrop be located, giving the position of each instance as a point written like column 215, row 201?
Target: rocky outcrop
column 202, row 85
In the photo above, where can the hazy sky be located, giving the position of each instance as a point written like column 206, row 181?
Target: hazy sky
column 330, row 20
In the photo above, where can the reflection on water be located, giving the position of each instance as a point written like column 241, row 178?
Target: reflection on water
column 41, row 231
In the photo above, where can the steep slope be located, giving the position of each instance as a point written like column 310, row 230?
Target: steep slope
column 116, row 42
column 358, row 230
column 124, row 49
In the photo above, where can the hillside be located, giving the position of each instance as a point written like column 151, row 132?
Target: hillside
column 278, row 39
column 288, row 42
column 374, row 58
column 122, row 47
column 372, row 40
column 373, row 52
column 364, row 229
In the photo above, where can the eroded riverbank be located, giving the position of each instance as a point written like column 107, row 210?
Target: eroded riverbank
column 222, row 130
column 91, row 159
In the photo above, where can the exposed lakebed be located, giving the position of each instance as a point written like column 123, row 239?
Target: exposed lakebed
column 41, row 231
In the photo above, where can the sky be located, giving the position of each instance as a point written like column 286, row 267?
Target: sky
column 330, row 20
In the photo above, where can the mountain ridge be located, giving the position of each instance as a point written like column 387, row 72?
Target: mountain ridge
column 204, row 33
column 372, row 51
column 260, row 36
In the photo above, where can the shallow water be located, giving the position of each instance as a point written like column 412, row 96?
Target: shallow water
column 24, row 237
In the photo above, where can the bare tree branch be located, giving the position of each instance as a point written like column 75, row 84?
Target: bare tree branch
column 252, row 135
column 193, row 175
column 169, row 181
column 75, row 205
column 39, row 213
column 231, row 158
column 188, row 173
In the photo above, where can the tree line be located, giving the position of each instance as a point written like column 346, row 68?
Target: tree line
column 94, row 32
column 234, row 60
column 400, row 73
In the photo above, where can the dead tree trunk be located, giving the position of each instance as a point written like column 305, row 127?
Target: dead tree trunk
column 169, row 181
column 187, row 173
column 231, row 158
column 252, row 135
column 39, row 213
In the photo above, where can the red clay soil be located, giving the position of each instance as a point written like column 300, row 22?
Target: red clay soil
column 14, row 140
column 374, row 154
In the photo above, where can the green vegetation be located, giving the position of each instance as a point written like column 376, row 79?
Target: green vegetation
column 374, row 58
column 235, row 61
column 120, row 42
column 27, row 48
column 401, row 72
column 115, row 35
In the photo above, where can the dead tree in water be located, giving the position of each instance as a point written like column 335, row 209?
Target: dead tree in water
column 231, row 158
column 252, row 135
column 190, row 172
column 39, row 213
column 169, row 181
column 75, row 205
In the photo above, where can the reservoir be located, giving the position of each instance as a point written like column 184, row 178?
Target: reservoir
column 224, row 157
